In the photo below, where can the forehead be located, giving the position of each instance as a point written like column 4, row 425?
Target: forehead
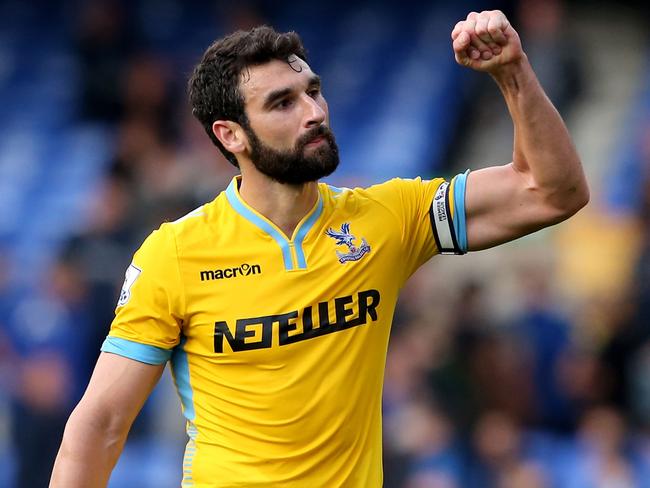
column 258, row 81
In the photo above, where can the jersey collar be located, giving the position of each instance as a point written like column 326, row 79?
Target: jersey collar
column 292, row 251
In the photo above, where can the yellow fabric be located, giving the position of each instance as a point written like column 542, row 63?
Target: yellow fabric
column 452, row 191
column 306, row 413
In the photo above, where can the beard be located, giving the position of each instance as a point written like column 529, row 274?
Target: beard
column 294, row 166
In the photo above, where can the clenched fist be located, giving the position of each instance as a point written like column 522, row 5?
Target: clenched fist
column 486, row 41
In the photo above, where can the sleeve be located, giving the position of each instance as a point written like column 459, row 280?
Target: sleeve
column 149, row 312
column 433, row 217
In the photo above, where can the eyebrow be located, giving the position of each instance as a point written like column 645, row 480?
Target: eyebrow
column 276, row 95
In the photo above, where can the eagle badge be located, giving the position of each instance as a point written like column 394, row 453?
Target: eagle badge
column 345, row 238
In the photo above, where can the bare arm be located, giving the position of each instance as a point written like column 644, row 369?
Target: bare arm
column 98, row 426
column 544, row 184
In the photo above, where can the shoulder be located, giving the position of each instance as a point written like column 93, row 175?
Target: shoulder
column 393, row 191
column 197, row 225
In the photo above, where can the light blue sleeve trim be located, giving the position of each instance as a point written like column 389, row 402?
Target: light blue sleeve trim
column 460, row 228
column 256, row 220
column 302, row 232
column 181, row 369
column 144, row 353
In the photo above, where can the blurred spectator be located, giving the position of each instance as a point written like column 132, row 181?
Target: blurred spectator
column 580, row 377
column 244, row 15
column 426, row 436
column 103, row 47
column 639, row 406
column 601, row 459
column 622, row 358
column 484, row 364
column 418, row 436
column 48, row 333
column 546, row 337
column 159, row 185
column 451, row 379
column 501, row 455
column 524, row 474
column 546, row 39
column 149, row 96
column 102, row 252
column 500, row 368
column 626, row 352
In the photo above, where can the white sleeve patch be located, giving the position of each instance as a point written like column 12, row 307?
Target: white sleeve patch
column 441, row 223
column 131, row 275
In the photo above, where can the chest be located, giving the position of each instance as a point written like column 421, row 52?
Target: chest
column 240, row 296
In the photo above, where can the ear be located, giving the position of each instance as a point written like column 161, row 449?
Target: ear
column 231, row 135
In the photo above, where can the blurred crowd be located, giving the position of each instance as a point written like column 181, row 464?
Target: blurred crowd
column 162, row 167
column 553, row 394
column 540, row 399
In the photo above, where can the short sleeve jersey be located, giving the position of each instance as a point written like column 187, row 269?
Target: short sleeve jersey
column 277, row 344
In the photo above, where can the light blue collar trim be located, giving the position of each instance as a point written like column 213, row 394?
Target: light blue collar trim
column 303, row 230
column 242, row 209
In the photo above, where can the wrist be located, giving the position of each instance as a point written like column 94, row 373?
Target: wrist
column 513, row 75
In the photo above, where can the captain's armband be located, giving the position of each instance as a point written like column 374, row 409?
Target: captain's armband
column 447, row 215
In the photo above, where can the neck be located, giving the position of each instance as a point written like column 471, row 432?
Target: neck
column 284, row 205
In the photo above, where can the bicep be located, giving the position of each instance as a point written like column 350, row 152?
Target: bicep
column 502, row 204
column 117, row 390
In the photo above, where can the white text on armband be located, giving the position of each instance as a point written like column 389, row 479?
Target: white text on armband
column 441, row 222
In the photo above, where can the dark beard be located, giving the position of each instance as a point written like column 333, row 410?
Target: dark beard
column 294, row 167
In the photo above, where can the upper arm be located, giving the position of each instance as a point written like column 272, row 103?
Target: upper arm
column 117, row 390
column 150, row 312
column 502, row 204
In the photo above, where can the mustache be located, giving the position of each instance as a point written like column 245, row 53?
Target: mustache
column 320, row 131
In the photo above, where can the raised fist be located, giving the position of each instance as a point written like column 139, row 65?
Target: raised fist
column 486, row 41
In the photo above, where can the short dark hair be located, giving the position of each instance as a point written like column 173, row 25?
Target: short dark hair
column 214, row 85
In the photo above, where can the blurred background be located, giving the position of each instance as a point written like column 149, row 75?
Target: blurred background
column 527, row 365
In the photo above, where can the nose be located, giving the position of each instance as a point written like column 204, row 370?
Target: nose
column 314, row 113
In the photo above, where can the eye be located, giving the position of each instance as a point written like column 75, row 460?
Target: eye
column 284, row 104
column 313, row 92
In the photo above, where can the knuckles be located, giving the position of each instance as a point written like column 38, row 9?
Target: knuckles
column 484, row 15
column 486, row 24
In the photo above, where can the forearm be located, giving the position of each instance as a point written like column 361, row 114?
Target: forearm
column 543, row 150
column 97, row 429
column 88, row 453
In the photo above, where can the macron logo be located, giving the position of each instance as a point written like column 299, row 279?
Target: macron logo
column 219, row 274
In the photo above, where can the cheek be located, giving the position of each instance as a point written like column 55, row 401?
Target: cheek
column 280, row 132
column 270, row 131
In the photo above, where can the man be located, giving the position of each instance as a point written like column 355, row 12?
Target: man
column 274, row 301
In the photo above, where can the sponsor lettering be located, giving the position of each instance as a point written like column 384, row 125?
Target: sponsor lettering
column 298, row 325
column 225, row 273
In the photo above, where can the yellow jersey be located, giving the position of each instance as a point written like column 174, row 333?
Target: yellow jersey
column 278, row 345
